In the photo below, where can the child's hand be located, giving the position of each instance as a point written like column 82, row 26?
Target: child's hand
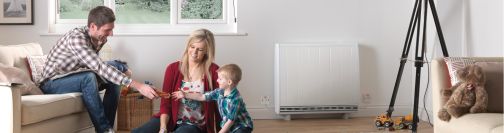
column 178, row 95
column 163, row 130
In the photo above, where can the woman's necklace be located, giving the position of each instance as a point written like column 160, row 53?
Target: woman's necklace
column 192, row 74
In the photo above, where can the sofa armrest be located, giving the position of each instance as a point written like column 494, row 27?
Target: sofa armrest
column 440, row 80
column 10, row 114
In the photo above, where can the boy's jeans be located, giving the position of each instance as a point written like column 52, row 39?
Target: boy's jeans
column 102, row 114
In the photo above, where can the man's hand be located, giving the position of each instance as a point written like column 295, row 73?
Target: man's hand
column 144, row 89
column 128, row 73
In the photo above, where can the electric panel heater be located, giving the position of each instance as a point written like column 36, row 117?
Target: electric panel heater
column 316, row 78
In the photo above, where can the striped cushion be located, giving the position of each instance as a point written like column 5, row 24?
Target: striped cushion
column 456, row 63
column 36, row 65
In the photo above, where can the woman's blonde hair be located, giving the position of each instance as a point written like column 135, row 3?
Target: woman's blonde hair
column 199, row 36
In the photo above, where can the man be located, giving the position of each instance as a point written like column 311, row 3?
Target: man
column 73, row 65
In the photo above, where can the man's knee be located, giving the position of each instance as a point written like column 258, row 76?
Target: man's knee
column 89, row 76
column 119, row 65
column 89, row 81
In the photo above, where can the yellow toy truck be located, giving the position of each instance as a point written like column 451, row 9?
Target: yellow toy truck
column 403, row 122
column 383, row 121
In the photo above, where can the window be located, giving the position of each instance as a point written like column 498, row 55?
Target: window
column 148, row 16
column 76, row 9
column 142, row 11
column 196, row 11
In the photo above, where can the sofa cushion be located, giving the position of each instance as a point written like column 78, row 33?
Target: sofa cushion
column 493, row 72
column 15, row 55
column 9, row 74
column 36, row 65
column 476, row 123
column 36, row 108
column 498, row 130
column 454, row 64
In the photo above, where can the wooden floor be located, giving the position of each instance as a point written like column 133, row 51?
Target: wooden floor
column 352, row 125
column 333, row 125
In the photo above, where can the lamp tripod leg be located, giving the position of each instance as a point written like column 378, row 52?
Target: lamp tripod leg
column 415, row 22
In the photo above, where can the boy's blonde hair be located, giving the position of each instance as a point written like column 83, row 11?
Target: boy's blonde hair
column 231, row 72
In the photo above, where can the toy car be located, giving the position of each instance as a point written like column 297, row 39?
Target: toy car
column 403, row 122
column 383, row 121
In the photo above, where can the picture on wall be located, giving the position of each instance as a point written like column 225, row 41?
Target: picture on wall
column 16, row 12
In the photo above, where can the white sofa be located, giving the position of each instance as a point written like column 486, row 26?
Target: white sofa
column 469, row 123
column 55, row 113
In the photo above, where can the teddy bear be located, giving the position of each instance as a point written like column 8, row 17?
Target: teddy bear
column 466, row 96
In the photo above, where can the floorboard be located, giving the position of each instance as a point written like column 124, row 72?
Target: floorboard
column 320, row 125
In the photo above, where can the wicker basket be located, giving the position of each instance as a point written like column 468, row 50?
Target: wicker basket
column 133, row 111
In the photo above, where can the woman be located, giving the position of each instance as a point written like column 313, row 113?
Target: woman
column 195, row 73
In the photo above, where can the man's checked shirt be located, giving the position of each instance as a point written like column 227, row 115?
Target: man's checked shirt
column 74, row 52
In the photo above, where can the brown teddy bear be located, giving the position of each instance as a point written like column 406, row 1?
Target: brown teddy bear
column 467, row 96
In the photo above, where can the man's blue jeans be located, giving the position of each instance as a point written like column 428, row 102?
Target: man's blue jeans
column 102, row 114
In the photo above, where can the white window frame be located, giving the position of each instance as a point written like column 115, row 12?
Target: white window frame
column 226, row 26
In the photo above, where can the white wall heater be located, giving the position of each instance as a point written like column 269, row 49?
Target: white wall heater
column 316, row 78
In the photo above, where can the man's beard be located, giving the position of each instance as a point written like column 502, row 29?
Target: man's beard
column 99, row 40
column 102, row 39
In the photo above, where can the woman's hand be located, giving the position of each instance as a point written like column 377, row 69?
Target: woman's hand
column 178, row 95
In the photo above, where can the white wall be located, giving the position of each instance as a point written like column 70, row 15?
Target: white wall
column 485, row 28
column 482, row 21
column 379, row 26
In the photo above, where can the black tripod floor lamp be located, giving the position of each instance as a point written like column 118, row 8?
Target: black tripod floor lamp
column 414, row 28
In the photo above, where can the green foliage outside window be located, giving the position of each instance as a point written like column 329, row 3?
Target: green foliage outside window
column 152, row 5
column 142, row 11
column 77, row 9
column 201, row 9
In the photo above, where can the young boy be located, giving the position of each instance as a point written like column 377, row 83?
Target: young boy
column 235, row 118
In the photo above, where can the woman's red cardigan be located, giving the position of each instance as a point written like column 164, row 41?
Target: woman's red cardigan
column 172, row 81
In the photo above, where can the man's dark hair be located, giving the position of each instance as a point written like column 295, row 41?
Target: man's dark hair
column 100, row 16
